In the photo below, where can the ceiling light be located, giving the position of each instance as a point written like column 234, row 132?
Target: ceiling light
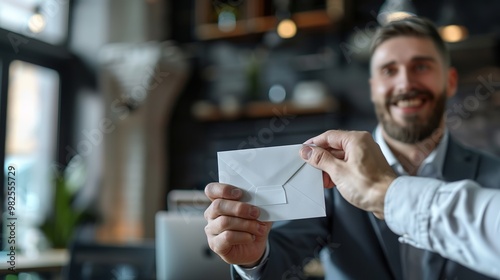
column 287, row 28
column 453, row 33
column 393, row 10
column 37, row 23
column 451, row 27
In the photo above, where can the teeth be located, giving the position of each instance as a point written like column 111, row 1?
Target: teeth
column 410, row 103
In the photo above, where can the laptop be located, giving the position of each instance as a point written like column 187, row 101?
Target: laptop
column 182, row 250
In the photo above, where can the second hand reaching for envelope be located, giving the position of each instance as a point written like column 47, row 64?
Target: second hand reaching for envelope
column 327, row 181
column 352, row 162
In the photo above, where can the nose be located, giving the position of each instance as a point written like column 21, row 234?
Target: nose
column 403, row 81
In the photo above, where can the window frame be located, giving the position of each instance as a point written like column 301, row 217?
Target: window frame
column 15, row 46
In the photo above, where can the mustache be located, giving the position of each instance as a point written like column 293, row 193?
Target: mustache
column 409, row 95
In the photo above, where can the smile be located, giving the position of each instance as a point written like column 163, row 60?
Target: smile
column 410, row 103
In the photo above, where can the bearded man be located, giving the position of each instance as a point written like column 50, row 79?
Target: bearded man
column 411, row 79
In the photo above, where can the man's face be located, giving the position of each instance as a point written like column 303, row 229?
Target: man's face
column 409, row 87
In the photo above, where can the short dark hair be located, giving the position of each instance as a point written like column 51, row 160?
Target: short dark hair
column 411, row 26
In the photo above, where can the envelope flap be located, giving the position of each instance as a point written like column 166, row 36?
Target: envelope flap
column 265, row 166
column 270, row 195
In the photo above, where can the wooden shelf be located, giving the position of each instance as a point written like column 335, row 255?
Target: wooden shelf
column 257, row 17
column 206, row 112
column 312, row 19
column 258, row 25
column 210, row 31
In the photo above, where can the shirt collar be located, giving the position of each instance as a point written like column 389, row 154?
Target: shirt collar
column 432, row 166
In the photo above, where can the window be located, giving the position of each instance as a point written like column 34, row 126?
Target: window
column 45, row 20
column 36, row 89
column 31, row 137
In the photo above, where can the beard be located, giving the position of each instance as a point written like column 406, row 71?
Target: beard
column 416, row 128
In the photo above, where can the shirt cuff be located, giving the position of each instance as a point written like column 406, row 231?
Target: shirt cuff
column 253, row 273
column 407, row 208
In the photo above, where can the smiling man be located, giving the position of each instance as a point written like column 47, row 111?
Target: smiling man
column 411, row 79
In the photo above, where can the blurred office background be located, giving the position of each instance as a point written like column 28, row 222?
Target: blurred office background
column 109, row 105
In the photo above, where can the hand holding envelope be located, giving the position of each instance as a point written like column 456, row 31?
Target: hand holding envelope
column 277, row 180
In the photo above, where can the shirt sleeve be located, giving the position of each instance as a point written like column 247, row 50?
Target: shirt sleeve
column 253, row 273
column 459, row 220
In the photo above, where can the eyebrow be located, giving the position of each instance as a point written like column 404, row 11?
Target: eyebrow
column 413, row 59
column 424, row 58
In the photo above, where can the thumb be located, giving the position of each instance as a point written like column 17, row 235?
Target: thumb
column 321, row 159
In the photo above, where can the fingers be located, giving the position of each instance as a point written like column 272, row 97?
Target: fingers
column 329, row 139
column 238, row 241
column 233, row 231
column 324, row 160
column 225, row 241
column 337, row 153
column 223, row 207
column 320, row 158
column 337, row 139
column 217, row 190
column 241, row 230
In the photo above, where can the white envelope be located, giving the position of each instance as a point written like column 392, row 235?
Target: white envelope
column 275, row 179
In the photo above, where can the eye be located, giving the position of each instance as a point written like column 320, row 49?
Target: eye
column 421, row 67
column 388, row 71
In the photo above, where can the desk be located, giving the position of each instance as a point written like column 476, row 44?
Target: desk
column 50, row 261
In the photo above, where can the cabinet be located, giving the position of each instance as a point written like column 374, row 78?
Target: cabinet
column 220, row 19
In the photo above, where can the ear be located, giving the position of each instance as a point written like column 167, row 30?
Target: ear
column 452, row 82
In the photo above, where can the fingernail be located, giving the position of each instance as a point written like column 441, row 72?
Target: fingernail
column 254, row 212
column 306, row 152
column 236, row 193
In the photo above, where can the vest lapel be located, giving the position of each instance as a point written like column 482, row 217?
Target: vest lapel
column 459, row 163
column 390, row 245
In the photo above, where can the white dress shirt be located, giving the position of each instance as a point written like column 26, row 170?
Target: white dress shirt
column 431, row 166
column 458, row 220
